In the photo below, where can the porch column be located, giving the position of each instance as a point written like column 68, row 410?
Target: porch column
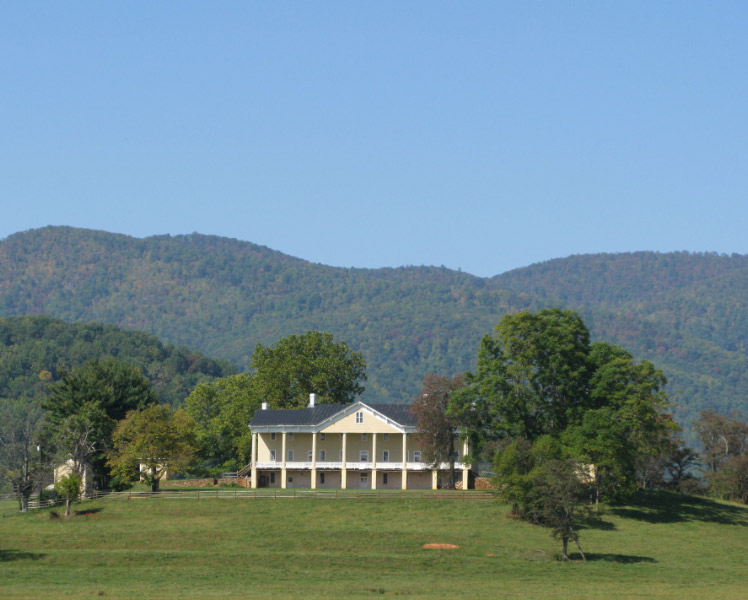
column 373, row 461
column 283, row 460
column 465, row 469
column 343, row 475
column 253, row 475
column 405, row 462
column 314, row 461
column 434, row 479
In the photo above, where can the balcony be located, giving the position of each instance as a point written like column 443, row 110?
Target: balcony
column 354, row 466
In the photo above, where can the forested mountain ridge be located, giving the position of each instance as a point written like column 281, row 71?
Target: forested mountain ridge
column 685, row 312
column 224, row 296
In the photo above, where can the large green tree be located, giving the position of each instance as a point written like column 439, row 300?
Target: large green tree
column 298, row 365
column 157, row 438
column 222, row 410
column 539, row 376
column 99, row 393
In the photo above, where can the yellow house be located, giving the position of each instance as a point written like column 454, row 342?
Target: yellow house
column 68, row 467
column 343, row 446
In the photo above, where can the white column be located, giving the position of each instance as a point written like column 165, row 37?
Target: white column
column 314, row 461
column 283, row 460
column 434, row 479
column 374, row 461
column 253, row 473
column 343, row 473
column 405, row 462
column 465, row 476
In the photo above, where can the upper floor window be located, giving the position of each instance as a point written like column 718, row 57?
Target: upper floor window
column 322, row 455
column 290, row 456
column 290, row 436
column 272, row 436
column 322, row 436
column 416, row 456
column 386, row 436
column 359, row 417
column 386, row 456
column 364, row 456
column 309, row 456
column 272, row 455
column 363, row 437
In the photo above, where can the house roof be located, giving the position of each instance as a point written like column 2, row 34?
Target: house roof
column 315, row 415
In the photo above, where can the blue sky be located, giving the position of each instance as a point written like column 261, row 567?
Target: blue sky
column 483, row 135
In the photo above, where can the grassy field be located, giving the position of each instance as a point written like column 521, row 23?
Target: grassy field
column 664, row 546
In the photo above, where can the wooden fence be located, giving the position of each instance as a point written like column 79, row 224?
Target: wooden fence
column 275, row 493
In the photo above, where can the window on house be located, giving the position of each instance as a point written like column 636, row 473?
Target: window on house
column 364, row 456
column 384, row 478
column 322, row 455
column 322, row 478
column 309, row 456
column 386, row 436
column 290, row 436
column 272, row 477
column 290, row 456
column 340, row 455
column 272, row 455
column 359, row 417
column 416, row 456
column 364, row 437
column 386, row 456
column 272, row 436
column 322, row 436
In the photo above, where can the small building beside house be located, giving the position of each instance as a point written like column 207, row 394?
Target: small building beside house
column 66, row 468
column 344, row 446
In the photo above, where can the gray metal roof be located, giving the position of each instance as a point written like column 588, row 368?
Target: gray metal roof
column 312, row 416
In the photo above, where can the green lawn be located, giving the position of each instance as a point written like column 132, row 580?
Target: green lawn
column 666, row 546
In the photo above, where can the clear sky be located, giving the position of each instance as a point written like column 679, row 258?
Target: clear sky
column 478, row 135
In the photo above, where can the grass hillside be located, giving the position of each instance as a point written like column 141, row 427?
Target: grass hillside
column 688, row 313
column 664, row 546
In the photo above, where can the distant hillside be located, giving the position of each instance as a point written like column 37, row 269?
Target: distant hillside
column 686, row 312
column 35, row 349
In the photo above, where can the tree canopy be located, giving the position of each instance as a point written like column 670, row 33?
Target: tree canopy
column 157, row 438
column 299, row 365
column 222, row 410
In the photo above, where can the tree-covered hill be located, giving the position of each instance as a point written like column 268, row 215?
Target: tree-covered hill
column 223, row 297
column 34, row 350
column 685, row 312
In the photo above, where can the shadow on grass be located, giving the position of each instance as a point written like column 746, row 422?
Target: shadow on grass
column 623, row 559
column 10, row 555
column 88, row 512
column 595, row 522
column 669, row 507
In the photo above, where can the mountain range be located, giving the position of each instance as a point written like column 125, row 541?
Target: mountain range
column 685, row 312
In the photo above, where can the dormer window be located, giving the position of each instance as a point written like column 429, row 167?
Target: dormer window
column 359, row 417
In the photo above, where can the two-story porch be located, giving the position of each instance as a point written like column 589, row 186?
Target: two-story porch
column 343, row 446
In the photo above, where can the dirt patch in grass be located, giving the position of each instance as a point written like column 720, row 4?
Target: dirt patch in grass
column 439, row 546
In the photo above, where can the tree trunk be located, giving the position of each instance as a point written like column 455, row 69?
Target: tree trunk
column 67, row 507
column 154, row 480
column 565, row 545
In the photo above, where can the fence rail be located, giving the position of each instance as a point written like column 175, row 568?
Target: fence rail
column 276, row 493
